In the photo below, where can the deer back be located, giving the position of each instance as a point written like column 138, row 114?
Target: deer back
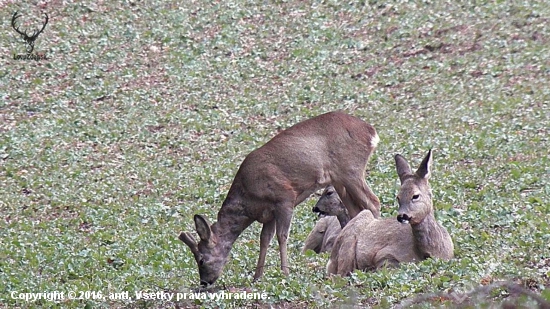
column 367, row 243
column 310, row 155
column 323, row 235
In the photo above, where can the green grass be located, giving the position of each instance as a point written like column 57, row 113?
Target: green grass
column 144, row 111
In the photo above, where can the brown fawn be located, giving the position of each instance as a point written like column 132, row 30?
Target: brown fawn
column 367, row 243
column 332, row 148
column 326, row 230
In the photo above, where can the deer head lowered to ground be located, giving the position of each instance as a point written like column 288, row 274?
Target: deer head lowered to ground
column 326, row 230
column 367, row 243
column 332, row 148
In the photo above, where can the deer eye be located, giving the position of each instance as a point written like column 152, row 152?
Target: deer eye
column 415, row 197
column 329, row 193
column 201, row 262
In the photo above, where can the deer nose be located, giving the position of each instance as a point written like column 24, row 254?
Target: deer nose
column 318, row 211
column 204, row 283
column 403, row 218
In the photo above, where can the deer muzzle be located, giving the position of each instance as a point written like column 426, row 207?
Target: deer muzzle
column 318, row 211
column 404, row 218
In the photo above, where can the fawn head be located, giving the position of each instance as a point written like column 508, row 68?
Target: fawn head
column 207, row 252
column 415, row 194
column 329, row 203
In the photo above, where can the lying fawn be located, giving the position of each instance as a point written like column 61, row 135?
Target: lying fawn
column 324, row 233
column 332, row 148
column 367, row 243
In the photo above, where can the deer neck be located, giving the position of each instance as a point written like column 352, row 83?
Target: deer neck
column 343, row 218
column 231, row 223
column 427, row 236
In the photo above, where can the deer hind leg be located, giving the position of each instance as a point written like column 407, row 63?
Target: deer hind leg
column 268, row 230
column 283, row 219
column 358, row 196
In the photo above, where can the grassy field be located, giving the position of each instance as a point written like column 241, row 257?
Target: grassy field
column 144, row 110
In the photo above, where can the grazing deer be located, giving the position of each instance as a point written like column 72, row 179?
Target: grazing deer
column 326, row 230
column 332, row 148
column 368, row 243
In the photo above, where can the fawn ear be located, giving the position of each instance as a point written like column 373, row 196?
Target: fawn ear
column 189, row 240
column 402, row 167
column 425, row 168
column 203, row 228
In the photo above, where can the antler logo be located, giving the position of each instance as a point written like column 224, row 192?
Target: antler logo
column 29, row 39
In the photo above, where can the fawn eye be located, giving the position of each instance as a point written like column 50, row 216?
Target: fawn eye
column 415, row 197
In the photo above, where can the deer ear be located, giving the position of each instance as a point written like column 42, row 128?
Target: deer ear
column 189, row 240
column 425, row 168
column 402, row 167
column 203, row 228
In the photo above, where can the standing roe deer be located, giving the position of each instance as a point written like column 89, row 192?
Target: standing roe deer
column 326, row 230
column 332, row 148
column 367, row 243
